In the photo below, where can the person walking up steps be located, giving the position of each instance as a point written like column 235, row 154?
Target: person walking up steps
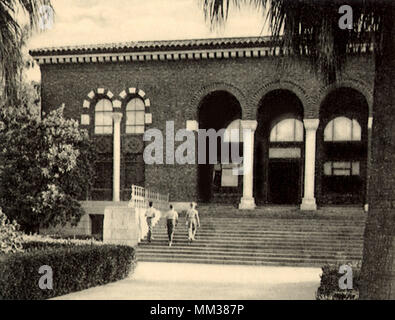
column 192, row 222
column 172, row 220
column 150, row 214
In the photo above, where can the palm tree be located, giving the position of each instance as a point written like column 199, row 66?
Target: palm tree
column 310, row 27
column 10, row 40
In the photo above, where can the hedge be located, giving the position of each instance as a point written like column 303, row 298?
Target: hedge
column 329, row 285
column 75, row 268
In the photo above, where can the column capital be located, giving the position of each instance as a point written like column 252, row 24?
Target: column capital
column 311, row 124
column 117, row 116
column 249, row 124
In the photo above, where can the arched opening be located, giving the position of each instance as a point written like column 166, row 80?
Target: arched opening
column 279, row 149
column 342, row 148
column 217, row 181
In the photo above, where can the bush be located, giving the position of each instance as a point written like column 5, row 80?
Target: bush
column 46, row 166
column 10, row 237
column 329, row 285
column 75, row 268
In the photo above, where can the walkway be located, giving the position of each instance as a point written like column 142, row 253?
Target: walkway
column 177, row 281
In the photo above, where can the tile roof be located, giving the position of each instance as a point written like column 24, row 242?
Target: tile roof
column 140, row 46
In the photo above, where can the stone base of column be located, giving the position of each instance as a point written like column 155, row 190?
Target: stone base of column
column 308, row 205
column 247, row 204
column 366, row 207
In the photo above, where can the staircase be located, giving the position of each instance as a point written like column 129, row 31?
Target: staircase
column 265, row 236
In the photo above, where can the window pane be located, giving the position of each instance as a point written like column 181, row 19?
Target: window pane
column 140, row 118
column 341, row 172
column 356, row 131
column 99, row 118
column 341, row 165
column 229, row 179
column 99, row 130
column 107, row 119
column 355, row 169
column 130, row 118
column 107, row 130
column 288, row 130
column 135, row 104
column 139, row 129
column 328, row 132
column 328, row 168
column 130, row 129
column 299, row 132
column 342, row 129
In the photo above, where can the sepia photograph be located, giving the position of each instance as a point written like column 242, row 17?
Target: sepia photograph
column 197, row 155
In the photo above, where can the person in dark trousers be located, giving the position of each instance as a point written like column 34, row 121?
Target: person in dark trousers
column 150, row 214
column 192, row 222
column 172, row 220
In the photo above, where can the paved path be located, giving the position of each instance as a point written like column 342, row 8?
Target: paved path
column 171, row 281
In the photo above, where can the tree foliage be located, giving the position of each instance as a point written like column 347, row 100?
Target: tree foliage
column 311, row 27
column 11, row 39
column 47, row 165
column 10, row 237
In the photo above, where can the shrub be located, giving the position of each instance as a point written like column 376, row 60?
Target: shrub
column 47, row 166
column 10, row 237
column 75, row 268
column 329, row 285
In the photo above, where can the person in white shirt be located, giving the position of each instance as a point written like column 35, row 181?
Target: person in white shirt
column 172, row 220
column 192, row 222
column 150, row 214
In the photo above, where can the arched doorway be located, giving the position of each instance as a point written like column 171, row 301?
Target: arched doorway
column 279, row 149
column 216, row 183
column 342, row 147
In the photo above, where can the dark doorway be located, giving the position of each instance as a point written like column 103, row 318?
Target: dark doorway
column 97, row 221
column 342, row 148
column 216, row 111
column 279, row 149
column 284, row 182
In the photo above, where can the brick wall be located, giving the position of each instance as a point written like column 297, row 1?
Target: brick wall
column 175, row 89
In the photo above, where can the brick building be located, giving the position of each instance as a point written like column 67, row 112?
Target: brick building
column 310, row 143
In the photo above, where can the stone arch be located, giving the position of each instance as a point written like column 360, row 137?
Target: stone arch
column 218, row 86
column 296, row 89
column 93, row 95
column 357, row 85
column 87, row 113
column 134, row 92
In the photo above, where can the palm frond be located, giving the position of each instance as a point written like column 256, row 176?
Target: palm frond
column 11, row 34
column 311, row 27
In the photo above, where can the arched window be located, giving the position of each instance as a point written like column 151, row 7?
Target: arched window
column 233, row 132
column 287, row 130
column 135, row 116
column 342, row 129
column 103, row 117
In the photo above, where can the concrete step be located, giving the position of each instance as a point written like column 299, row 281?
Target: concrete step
column 250, row 252
column 270, row 246
column 241, row 260
column 231, row 236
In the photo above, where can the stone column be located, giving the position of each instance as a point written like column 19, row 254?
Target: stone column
column 247, row 202
column 117, row 116
column 368, row 162
column 308, row 202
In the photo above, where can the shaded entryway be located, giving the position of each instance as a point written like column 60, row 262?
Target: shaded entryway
column 342, row 143
column 279, row 149
column 216, row 182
